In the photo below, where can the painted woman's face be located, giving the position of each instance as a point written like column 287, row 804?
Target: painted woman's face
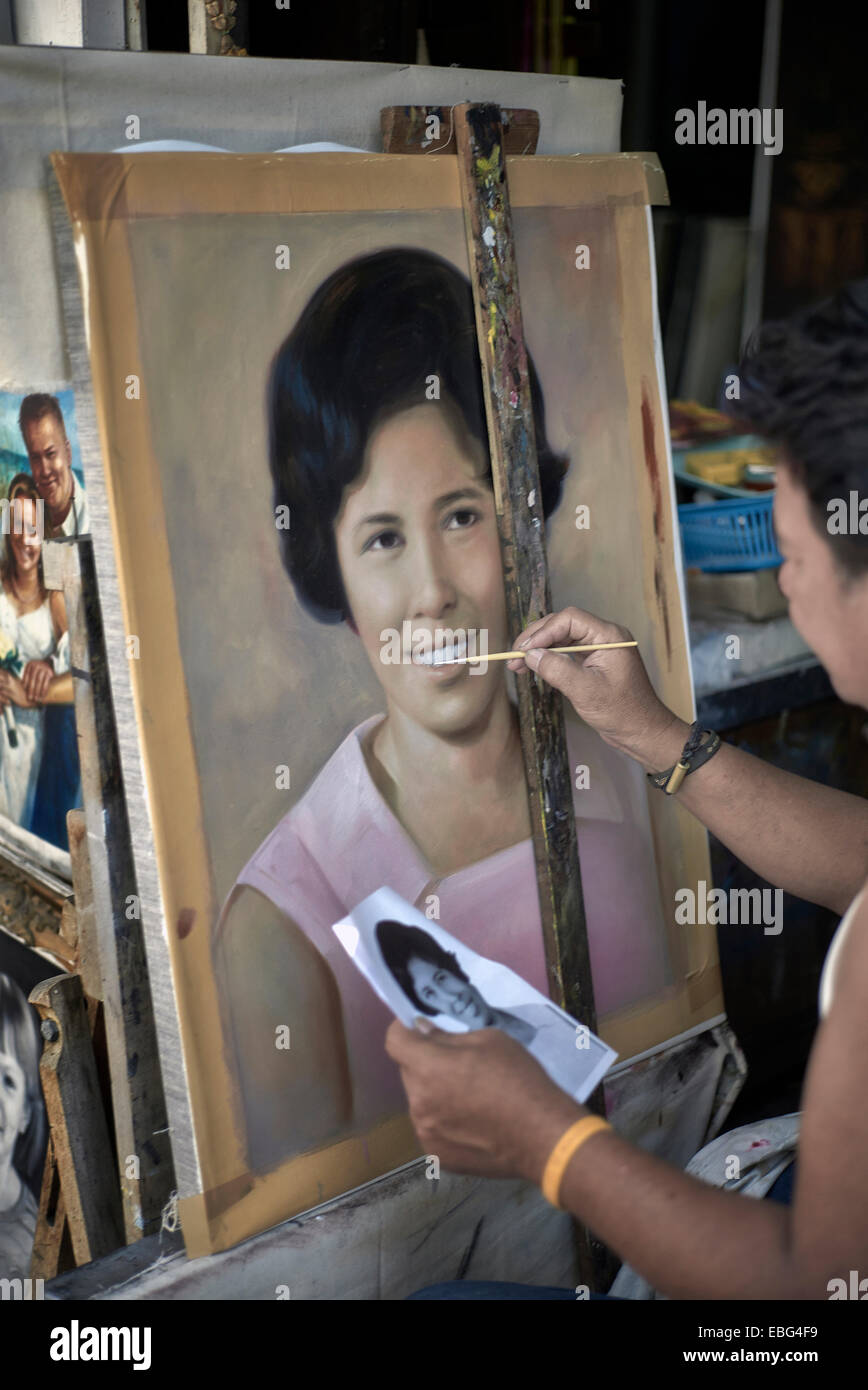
column 448, row 993
column 417, row 544
column 24, row 537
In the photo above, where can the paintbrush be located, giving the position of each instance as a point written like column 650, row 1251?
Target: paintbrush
column 512, row 656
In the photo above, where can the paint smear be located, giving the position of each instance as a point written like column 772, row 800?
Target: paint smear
column 653, row 468
column 186, row 918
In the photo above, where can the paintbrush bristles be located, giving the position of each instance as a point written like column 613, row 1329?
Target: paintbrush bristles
column 513, row 656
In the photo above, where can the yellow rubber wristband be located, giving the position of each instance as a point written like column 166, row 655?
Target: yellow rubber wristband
column 563, row 1151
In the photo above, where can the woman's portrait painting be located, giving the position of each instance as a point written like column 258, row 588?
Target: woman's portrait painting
column 391, row 526
column 42, row 497
column 309, row 461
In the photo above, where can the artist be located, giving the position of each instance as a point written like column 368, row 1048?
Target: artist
column 484, row 1106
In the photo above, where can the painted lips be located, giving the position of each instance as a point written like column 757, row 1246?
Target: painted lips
column 442, row 656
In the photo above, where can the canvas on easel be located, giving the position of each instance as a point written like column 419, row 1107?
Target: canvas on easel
column 291, row 465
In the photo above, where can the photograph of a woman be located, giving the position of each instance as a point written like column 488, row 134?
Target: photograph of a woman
column 435, row 984
column 432, row 978
column 34, row 661
column 379, row 457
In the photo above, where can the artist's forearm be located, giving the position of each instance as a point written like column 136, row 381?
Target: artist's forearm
column 689, row 1240
column 808, row 839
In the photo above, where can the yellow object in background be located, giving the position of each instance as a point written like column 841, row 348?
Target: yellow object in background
column 726, row 466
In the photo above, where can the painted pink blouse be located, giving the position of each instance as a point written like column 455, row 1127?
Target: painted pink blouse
column 341, row 841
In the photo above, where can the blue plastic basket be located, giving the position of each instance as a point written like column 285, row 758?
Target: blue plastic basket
column 721, row 536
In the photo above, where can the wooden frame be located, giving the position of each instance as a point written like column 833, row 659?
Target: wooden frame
column 221, row 1201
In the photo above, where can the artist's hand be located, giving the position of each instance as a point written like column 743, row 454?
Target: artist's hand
column 36, row 678
column 12, row 691
column 478, row 1101
column 610, row 690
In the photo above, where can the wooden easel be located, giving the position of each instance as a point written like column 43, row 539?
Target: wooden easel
column 482, row 136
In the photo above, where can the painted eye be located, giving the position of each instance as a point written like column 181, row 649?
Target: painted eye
column 384, row 540
column 461, row 520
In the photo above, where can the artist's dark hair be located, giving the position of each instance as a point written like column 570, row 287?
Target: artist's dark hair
column 37, row 405
column 803, row 384
column 19, row 1035
column 398, row 943
column 363, row 349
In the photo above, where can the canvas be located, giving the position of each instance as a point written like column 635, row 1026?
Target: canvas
column 288, row 473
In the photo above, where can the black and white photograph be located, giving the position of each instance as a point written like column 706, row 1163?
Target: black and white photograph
column 417, row 968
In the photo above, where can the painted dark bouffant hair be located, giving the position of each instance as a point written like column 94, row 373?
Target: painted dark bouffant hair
column 398, row 943
column 363, row 349
column 804, row 386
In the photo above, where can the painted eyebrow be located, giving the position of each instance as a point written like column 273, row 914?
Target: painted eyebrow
column 378, row 519
column 459, row 495
column 392, row 519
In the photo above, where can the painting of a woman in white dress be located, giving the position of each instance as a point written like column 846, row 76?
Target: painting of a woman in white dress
column 34, row 653
column 393, row 521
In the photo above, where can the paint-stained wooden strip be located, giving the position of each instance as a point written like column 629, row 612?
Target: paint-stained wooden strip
column 431, row 129
column 512, row 441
